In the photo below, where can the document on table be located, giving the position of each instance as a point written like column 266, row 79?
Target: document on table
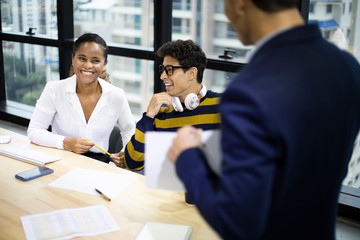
column 87, row 180
column 164, row 231
column 69, row 223
column 160, row 172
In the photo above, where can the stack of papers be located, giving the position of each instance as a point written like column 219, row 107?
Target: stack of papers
column 29, row 156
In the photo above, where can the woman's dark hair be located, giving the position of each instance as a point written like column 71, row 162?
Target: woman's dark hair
column 276, row 5
column 188, row 54
column 91, row 37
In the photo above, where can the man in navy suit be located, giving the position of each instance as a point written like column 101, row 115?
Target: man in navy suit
column 289, row 121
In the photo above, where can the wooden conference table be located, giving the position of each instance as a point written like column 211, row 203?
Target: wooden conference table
column 131, row 209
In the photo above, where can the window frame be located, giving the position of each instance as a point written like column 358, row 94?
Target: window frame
column 349, row 199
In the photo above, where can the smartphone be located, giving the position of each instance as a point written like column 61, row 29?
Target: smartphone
column 33, row 173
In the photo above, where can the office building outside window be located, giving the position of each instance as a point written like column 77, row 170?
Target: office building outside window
column 205, row 23
column 27, row 67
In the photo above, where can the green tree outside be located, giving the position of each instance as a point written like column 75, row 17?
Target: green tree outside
column 21, row 86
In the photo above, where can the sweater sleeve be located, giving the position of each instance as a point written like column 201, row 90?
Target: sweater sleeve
column 134, row 150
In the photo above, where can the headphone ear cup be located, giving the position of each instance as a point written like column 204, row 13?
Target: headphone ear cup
column 177, row 104
column 191, row 101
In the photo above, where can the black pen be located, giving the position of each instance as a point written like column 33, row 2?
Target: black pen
column 103, row 195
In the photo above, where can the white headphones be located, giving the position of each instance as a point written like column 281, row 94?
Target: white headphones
column 191, row 100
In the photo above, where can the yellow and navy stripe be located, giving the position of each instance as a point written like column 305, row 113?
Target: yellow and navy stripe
column 206, row 116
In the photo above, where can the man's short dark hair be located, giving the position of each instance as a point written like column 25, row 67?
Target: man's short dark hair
column 188, row 53
column 276, row 5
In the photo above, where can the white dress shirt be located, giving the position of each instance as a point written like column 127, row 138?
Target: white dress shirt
column 59, row 106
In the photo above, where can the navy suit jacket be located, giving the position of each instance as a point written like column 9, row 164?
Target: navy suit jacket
column 289, row 121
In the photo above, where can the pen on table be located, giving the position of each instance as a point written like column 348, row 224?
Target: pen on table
column 102, row 194
column 98, row 147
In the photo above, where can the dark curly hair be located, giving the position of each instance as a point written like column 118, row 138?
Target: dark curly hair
column 276, row 5
column 188, row 53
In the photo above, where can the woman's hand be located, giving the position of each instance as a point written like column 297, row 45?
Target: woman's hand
column 77, row 144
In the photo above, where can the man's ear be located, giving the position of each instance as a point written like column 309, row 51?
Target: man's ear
column 193, row 72
column 239, row 6
column 234, row 8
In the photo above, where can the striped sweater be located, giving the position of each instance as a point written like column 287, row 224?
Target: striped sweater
column 206, row 116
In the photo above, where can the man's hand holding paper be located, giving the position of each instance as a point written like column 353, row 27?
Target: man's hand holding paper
column 187, row 137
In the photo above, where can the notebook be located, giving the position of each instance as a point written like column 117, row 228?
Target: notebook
column 29, row 156
column 164, row 231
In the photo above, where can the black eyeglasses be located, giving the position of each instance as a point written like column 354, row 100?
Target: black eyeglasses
column 169, row 69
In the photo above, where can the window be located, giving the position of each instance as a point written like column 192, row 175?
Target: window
column 329, row 8
column 338, row 28
column 122, row 22
column 181, row 4
column 136, row 78
column 20, row 16
column 311, row 10
column 27, row 69
column 181, row 26
column 210, row 28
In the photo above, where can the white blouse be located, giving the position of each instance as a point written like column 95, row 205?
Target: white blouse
column 59, row 106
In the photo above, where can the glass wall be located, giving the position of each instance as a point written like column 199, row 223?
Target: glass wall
column 136, row 78
column 206, row 23
column 27, row 69
column 31, row 17
column 117, row 21
column 339, row 22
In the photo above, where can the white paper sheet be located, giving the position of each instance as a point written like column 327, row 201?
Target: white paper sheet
column 69, row 223
column 160, row 172
column 164, row 231
column 86, row 180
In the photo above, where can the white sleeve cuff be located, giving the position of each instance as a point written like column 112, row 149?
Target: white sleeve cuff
column 60, row 142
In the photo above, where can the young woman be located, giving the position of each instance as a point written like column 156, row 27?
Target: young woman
column 82, row 109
